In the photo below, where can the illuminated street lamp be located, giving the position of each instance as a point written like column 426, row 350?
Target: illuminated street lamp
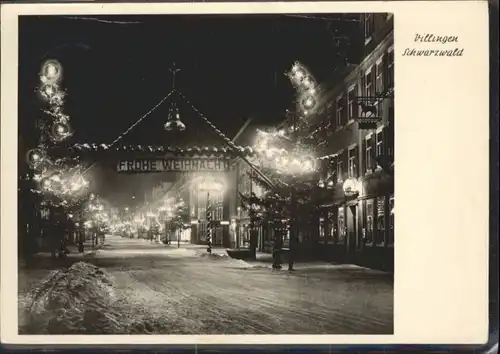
column 351, row 187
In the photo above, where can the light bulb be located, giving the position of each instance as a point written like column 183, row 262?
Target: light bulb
column 51, row 70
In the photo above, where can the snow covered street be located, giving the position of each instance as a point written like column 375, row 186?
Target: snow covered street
column 182, row 292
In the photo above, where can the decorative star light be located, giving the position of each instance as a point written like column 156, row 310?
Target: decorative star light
column 306, row 87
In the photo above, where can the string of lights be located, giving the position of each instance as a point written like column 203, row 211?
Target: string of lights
column 60, row 178
column 129, row 129
column 239, row 149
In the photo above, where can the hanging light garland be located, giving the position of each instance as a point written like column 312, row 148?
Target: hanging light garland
column 306, row 86
column 272, row 152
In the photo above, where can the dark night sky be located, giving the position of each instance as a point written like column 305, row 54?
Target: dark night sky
column 232, row 68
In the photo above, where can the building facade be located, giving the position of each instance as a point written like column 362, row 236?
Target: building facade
column 354, row 133
column 357, row 225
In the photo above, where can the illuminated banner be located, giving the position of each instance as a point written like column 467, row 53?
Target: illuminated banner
column 175, row 165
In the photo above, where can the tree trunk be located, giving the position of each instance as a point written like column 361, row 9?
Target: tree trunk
column 253, row 241
column 278, row 242
column 293, row 229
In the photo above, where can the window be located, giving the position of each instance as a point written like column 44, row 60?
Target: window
column 369, row 26
column 379, row 239
column 341, row 226
column 390, row 236
column 202, row 202
column 322, row 228
column 340, row 168
column 332, row 170
column 390, row 133
column 368, row 155
column 352, row 163
column 379, row 77
column 369, row 221
column 380, row 144
column 352, row 105
column 325, row 164
column 340, row 112
column 390, row 69
column 332, row 228
column 286, row 239
column 331, row 115
column 369, row 84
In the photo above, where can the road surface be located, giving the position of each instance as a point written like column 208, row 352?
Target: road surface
column 191, row 294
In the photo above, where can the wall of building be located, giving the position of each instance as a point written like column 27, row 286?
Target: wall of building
column 360, row 227
column 354, row 228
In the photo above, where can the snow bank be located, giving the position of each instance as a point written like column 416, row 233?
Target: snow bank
column 84, row 300
column 79, row 299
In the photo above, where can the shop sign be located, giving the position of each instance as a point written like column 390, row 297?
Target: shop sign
column 368, row 122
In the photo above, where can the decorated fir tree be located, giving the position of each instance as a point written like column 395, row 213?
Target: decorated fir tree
column 286, row 166
column 55, row 180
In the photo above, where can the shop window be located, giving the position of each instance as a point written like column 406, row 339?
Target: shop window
column 390, row 236
column 332, row 226
column 342, row 230
column 380, row 234
column 322, row 228
column 286, row 239
column 352, row 105
column 369, row 226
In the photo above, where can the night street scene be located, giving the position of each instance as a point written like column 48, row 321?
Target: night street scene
column 206, row 174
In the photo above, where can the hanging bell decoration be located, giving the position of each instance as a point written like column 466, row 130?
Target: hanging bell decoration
column 174, row 122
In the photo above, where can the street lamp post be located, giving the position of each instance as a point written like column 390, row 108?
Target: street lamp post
column 209, row 223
